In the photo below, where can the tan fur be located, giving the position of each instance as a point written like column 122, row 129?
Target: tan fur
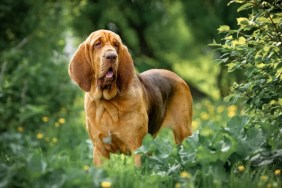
column 121, row 106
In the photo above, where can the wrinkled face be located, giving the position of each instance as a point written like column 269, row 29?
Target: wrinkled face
column 104, row 57
column 101, row 65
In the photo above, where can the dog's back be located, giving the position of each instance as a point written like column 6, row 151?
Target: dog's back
column 169, row 102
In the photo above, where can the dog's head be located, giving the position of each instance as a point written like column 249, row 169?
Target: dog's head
column 101, row 65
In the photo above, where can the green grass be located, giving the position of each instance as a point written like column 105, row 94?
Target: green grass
column 59, row 154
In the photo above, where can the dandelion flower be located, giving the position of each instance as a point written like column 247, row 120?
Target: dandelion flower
column 39, row 136
column 54, row 140
column 195, row 125
column 220, row 109
column 85, row 167
column 45, row 119
column 62, row 120
column 106, row 184
column 204, row 116
column 20, row 129
column 210, row 108
column 207, row 103
column 177, row 185
column 231, row 110
column 207, row 132
column 264, row 178
column 241, row 168
column 277, row 172
column 57, row 124
column 231, row 114
column 185, row 174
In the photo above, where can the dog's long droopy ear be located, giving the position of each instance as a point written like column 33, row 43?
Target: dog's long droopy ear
column 126, row 68
column 80, row 70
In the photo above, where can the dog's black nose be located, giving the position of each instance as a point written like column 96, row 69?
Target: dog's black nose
column 111, row 56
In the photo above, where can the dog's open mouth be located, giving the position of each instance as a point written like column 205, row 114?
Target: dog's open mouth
column 110, row 73
column 108, row 79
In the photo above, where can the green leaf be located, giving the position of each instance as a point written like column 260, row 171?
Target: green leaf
column 192, row 141
column 235, row 1
column 255, row 138
column 147, row 145
column 228, row 146
column 236, row 125
column 245, row 6
column 36, row 164
column 242, row 21
column 223, row 28
column 187, row 151
column 4, row 175
column 205, row 155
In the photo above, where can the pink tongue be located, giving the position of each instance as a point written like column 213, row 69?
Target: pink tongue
column 109, row 74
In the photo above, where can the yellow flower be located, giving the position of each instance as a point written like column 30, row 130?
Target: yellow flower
column 54, row 140
column 241, row 168
column 220, row 109
column 86, row 167
column 210, row 109
column 62, row 120
column 277, row 172
column 195, row 125
column 231, row 110
column 231, row 114
column 45, row 119
column 204, row 116
column 57, row 124
column 177, row 185
column 20, row 129
column 264, row 178
column 207, row 132
column 185, row 174
column 39, row 136
column 106, row 184
column 207, row 103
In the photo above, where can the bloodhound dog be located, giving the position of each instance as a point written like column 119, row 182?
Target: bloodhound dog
column 122, row 106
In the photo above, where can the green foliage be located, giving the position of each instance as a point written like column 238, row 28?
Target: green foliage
column 213, row 153
column 203, row 26
column 219, row 154
column 255, row 48
column 33, row 76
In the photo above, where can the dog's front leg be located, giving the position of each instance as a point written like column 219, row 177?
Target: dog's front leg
column 99, row 155
column 137, row 160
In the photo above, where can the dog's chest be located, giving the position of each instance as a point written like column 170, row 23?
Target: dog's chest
column 107, row 115
column 113, row 117
column 116, row 126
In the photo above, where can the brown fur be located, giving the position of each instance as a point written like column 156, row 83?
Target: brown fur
column 121, row 106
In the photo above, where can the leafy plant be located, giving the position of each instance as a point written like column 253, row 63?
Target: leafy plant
column 255, row 48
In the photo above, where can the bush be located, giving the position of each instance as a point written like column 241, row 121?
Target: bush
column 255, row 48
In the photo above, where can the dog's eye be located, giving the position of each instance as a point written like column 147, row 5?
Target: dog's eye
column 97, row 44
column 116, row 44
